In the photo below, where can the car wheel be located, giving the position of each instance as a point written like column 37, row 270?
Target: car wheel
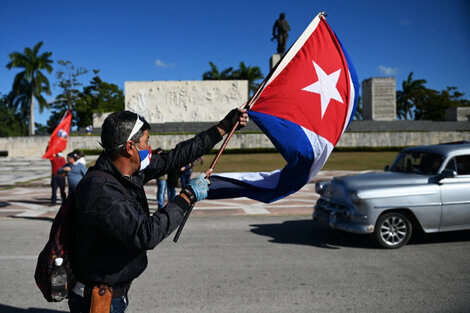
column 392, row 230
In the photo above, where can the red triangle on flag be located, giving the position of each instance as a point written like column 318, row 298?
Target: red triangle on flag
column 311, row 86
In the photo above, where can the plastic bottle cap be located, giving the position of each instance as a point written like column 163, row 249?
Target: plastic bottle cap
column 58, row 261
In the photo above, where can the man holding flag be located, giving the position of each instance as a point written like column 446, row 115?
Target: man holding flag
column 304, row 106
column 111, row 226
column 58, row 143
column 57, row 180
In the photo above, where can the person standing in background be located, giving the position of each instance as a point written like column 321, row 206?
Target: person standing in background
column 161, row 186
column 186, row 172
column 74, row 170
column 57, row 180
column 80, row 156
column 172, row 183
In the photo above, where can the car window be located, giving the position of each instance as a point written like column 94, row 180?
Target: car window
column 451, row 165
column 423, row 163
column 463, row 164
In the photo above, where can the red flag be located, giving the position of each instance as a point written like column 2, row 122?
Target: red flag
column 58, row 141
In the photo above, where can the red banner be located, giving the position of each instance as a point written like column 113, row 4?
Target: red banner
column 58, row 141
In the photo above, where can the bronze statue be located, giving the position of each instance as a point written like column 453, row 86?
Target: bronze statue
column 280, row 29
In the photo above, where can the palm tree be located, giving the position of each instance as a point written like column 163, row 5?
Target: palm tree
column 249, row 73
column 31, row 82
column 405, row 97
column 214, row 74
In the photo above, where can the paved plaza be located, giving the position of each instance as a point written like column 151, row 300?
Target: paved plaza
column 25, row 192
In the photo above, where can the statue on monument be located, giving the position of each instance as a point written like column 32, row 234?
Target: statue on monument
column 280, row 29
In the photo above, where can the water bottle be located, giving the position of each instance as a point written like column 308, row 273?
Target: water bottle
column 58, row 280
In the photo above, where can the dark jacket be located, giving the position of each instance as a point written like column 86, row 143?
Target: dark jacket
column 112, row 228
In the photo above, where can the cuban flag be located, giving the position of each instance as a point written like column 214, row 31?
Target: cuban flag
column 304, row 107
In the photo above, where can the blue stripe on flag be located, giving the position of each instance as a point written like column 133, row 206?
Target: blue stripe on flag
column 354, row 78
column 293, row 144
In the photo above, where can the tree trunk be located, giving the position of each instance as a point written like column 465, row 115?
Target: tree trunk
column 31, row 117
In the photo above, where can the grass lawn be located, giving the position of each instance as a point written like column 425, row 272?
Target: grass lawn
column 261, row 162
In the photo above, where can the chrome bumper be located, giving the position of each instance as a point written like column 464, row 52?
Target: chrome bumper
column 331, row 219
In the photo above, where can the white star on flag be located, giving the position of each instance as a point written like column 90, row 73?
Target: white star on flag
column 325, row 86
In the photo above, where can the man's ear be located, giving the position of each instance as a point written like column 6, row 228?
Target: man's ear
column 128, row 149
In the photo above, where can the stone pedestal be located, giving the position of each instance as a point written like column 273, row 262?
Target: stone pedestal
column 275, row 58
column 379, row 99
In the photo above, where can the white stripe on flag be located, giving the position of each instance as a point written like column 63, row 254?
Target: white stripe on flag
column 321, row 149
column 258, row 179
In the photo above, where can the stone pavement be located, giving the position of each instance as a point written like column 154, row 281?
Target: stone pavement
column 25, row 193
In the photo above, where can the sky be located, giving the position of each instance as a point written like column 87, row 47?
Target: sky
column 143, row 40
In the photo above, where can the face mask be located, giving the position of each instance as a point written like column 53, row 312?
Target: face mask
column 145, row 157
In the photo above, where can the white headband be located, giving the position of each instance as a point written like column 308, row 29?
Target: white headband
column 137, row 126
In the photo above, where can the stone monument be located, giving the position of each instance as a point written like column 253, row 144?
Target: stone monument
column 379, row 99
column 460, row 114
column 185, row 101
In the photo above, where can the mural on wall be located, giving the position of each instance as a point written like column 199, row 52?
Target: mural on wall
column 184, row 101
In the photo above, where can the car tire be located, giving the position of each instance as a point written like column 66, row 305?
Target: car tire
column 392, row 230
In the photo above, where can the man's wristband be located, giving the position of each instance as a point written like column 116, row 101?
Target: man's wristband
column 189, row 193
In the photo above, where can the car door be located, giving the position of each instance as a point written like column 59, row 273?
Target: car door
column 455, row 195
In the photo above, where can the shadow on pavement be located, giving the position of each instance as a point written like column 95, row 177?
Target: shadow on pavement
column 10, row 309
column 307, row 232
column 419, row 238
column 33, row 218
column 40, row 201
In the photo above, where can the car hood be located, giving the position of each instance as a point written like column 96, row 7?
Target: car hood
column 380, row 179
column 368, row 184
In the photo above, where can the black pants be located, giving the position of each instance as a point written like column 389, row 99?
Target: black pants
column 58, row 181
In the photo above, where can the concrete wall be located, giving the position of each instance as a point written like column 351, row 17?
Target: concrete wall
column 35, row 146
column 400, row 139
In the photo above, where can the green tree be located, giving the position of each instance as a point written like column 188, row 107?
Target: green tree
column 11, row 122
column 68, row 82
column 99, row 96
column 406, row 97
column 432, row 104
column 214, row 74
column 250, row 73
column 30, row 83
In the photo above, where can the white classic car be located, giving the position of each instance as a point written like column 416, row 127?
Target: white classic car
column 427, row 187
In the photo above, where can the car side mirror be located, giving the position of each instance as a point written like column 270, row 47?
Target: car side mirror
column 447, row 173
column 387, row 168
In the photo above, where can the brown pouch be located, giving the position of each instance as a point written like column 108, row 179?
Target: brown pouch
column 101, row 299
